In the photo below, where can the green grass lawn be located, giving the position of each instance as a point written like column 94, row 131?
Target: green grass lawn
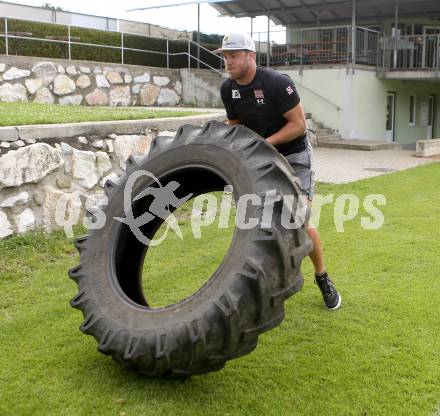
column 378, row 355
column 18, row 114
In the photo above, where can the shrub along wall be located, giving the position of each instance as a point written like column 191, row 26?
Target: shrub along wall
column 30, row 47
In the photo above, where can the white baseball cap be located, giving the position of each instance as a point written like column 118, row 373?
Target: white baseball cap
column 236, row 42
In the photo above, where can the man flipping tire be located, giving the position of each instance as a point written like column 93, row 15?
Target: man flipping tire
column 267, row 102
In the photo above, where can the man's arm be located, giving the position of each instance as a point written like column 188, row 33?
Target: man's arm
column 295, row 126
column 233, row 122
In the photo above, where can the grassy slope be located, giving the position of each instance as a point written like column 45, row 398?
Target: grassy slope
column 17, row 114
column 378, row 355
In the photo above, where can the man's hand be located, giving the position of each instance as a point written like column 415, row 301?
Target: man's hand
column 295, row 127
column 233, row 122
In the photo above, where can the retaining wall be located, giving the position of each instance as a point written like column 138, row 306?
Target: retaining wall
column 58, row 81
column 46, row 183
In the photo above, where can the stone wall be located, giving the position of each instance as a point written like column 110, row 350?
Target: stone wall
column 87, row 83
column 47, row 184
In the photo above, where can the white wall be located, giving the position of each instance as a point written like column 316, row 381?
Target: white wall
column 322, row 92
column 361, row 98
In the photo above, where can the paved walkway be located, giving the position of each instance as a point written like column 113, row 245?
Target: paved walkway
column 342, row 166
column 185, row 108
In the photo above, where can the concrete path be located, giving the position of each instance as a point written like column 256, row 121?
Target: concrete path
column 342, row 166
column 214, row 110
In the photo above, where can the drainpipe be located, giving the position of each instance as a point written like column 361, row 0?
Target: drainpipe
column 353, row 35
column 302, row 52
column 437, row 50
column 198, row 35
column 268, row 36
column 259, row 48
column 396, row 25
column 6, row 36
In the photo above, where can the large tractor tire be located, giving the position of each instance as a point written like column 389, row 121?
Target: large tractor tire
column 241, row 300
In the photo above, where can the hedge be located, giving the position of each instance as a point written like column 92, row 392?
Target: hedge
column 30, row 47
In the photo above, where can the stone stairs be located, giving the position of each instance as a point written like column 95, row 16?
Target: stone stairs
column 325, row 137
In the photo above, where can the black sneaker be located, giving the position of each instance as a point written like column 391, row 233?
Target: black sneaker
column 332, row 299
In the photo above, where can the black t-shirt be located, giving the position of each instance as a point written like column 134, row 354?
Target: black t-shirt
column 261, row 104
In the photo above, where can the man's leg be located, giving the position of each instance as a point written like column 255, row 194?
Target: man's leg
column 302, row 163
column 317, row 255
column 332, row 299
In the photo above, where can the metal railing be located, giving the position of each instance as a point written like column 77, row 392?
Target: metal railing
column 68, row 41
column 341, row 45
column 329, row 45
column 219, row 57
column 406, row 53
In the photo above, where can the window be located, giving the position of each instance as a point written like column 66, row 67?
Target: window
column 418, row 29
column 412, row 110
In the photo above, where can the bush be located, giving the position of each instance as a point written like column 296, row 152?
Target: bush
column 31, row 47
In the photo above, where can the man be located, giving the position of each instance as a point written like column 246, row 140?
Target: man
column 266, row 101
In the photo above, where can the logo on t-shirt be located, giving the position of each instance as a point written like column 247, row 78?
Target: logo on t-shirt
column 289, row 90
column 259, row 94
column 236, row 94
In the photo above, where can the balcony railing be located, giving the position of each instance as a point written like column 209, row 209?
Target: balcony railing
column 410, row 53
column 346, row 45
column 329, row 45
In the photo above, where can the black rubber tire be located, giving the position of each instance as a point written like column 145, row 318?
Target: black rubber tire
column 241, row 300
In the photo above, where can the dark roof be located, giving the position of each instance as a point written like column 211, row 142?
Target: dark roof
column 305, row 12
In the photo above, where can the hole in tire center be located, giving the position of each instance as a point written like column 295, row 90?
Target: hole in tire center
column 165, row 274
column 176, row 269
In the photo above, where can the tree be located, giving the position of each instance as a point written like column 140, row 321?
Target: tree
column 49, row 6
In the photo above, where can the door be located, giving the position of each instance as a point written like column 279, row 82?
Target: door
column 431, row 104
column 391, row 106
column 429, row 54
